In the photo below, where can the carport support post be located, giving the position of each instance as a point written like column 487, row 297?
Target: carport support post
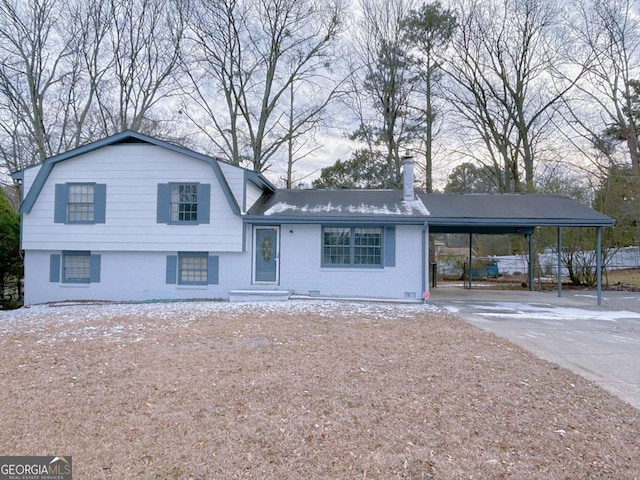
column 470, row 256
column 599, row 262
column 530, row 272
column 559, row 251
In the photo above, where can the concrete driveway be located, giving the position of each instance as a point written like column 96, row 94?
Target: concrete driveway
column 601, row 343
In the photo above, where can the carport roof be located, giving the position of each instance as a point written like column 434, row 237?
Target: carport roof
column 463, row 213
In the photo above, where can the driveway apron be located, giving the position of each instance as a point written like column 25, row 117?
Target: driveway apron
column 600, row 343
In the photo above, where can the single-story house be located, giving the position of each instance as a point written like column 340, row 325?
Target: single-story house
column 131, row 217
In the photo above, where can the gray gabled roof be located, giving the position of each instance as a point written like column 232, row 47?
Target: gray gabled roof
column 476, row 213
column 129, row 136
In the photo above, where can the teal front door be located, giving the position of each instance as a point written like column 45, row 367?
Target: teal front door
column 265, row 258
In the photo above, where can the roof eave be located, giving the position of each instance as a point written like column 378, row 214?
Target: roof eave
column 524, row 222
column 494, row 224
column 260, row 180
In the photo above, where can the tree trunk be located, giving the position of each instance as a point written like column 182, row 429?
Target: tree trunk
column 428, row 166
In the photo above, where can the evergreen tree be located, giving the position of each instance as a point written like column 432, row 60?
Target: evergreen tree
column 429, row 30
column 10, row 259
column 619, row 197
column 469, row 178
column 362, row 170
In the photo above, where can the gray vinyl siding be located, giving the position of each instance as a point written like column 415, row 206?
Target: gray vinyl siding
column 252, row 195
column 131, row 173
column 245, row 192
column 235, row 180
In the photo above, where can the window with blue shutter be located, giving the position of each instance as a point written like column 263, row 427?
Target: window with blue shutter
column 183, row 203
column 80, row 203
column 358, row 246
column 74, row 267
column 192, row 268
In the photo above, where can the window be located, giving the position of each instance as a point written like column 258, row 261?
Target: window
column 336, row 246
column 183, row 203
column 74, row 267
column 192, row 268
column 352, row 246
column 367, row 246
column 80, row 203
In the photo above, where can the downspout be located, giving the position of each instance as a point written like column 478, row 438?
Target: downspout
column 425, row 257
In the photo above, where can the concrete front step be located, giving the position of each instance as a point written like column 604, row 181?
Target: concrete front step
column 259, row 295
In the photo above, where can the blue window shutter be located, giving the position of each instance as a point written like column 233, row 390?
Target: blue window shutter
column 54, row 267
column 213, row 268
column 390, row 246
column 60, row 209
column 204, row 196
column 172, row 269
column 164, row 195
column 94, row 269
column 100, row 202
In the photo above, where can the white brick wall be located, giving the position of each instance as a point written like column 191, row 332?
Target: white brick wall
column 141, row 275
column 131, row 276
column 300, row 270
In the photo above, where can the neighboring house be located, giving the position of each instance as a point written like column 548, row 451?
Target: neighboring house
column 131, row 217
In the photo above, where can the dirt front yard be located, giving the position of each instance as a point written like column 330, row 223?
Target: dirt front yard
column 298, row 390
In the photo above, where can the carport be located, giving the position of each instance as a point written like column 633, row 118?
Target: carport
column 515, row 214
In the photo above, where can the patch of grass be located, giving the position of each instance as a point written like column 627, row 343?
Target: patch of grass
column 289, row 394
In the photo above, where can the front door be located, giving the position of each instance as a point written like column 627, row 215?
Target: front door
column 265, row 255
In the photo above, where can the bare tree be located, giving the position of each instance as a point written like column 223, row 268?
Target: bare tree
column 86, row 32
column 32, row 69
column 604, row 108
column 384, row 82
column 507, row 75
column 251, row 53
column 73, row 71
column 301, row 125
column 143, row 49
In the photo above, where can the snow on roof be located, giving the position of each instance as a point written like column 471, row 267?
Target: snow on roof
column 475, row 213
column 413, row 207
